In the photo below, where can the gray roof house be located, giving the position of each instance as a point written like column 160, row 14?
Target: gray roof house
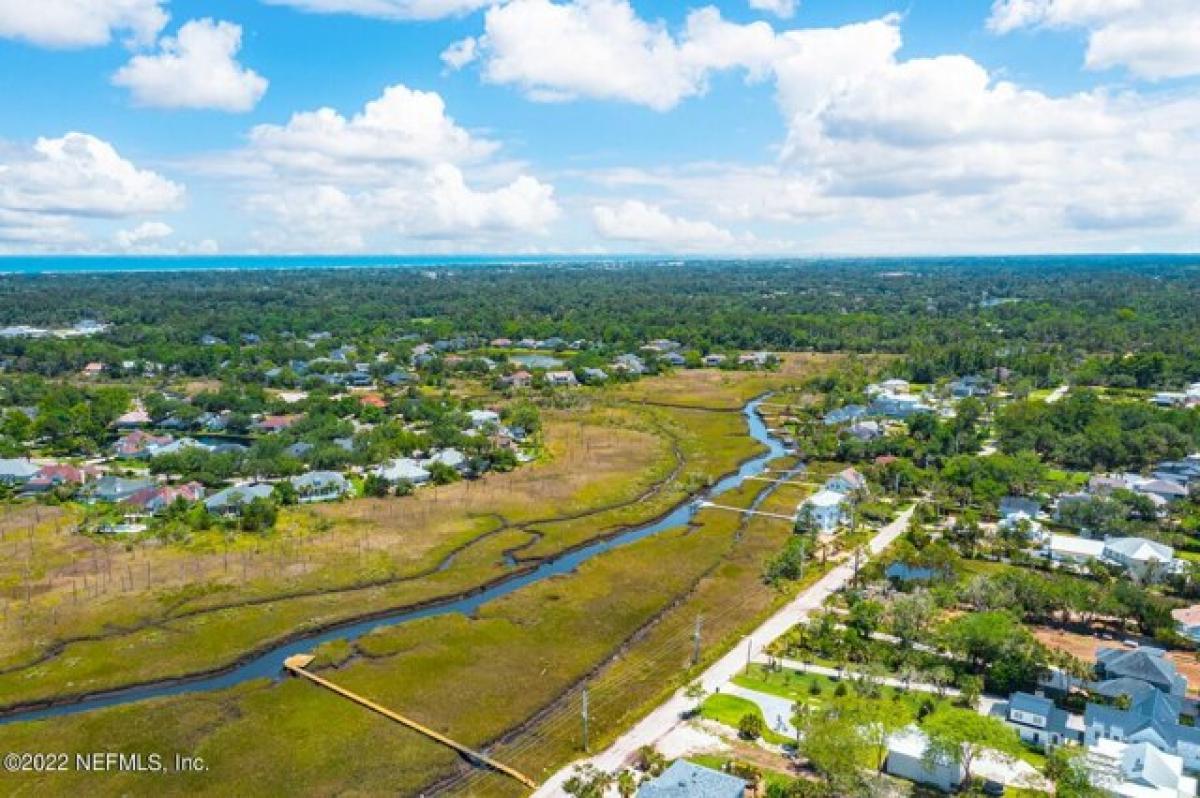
column 1011, row 505
column 17, row 471
column 320, row 486
column 231, row 500
column 845, row 414
column 1145, row 664
column 1038, row 721
column 1154, row 719
column 116, row 489
column 1147, row 560
column 403, row 469
column 299, row 449
column 686, row 780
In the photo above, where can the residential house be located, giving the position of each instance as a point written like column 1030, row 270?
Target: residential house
column 844, row 415
column 451, row 457
column 684, row 779
column 846, row 481
column 908, row 757
column 1146, row 560
column 403, row 469
column 1164, row 489
column 398, row 378
column 93, row 369
column 970, row 386
column 373, row 400
column 231, row 500
column 1144, row 663
column 713, row 360
column 320, row 486
column 865, row 431
column 894, row 385
column 629, row 364
column 518, row 379
column 1138, row 770
column 157, row 498
column 594, row 376
column 663, row 345
column 674, row 359
column 755, row 359
column 173, row 447
column 1039, row 722
column 502, row 343
column 276, row 423
column 140, row 444
column 299, row 450
column 51, row 476
column 1153, row 719
column 115, row 489
column 138, row 417
column 826, row 509
column 898, row 405
column 17, row 471
column 1011, row 505
column 1072, row 549
column 484, row 418
column 561, row 378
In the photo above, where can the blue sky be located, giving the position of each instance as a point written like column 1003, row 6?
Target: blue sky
column 607, row 126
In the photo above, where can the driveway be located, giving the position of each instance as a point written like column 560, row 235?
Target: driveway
column 777, row 711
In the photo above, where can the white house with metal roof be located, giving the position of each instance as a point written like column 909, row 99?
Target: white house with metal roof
column 1137, row 770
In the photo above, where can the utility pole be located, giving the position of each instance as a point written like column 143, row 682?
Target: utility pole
column 696, row 641
column 749, row 648
column 585, row 720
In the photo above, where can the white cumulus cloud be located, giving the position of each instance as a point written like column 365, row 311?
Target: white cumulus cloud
column 601, row 49
column 81, row 175
column 1154, row 39
column 402, row 126
column 144, row 233
column 780, row 8
column 196, row 68
column 648, row 225
column 81, row 23
column 47, row 189
column 398, row 170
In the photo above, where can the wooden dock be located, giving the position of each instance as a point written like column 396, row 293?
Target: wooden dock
column 297, row 663
column 746, row 511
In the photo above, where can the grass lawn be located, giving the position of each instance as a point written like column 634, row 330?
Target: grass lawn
column 799, row 687
column 730, row 710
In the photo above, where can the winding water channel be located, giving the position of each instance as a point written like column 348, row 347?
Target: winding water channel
column 270, row 663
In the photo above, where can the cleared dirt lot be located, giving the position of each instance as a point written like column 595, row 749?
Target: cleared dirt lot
column 1084, row 647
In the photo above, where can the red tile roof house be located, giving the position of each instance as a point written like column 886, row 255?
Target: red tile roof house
column 519, row 379
column 160, row 497
column 50, row 476
column 137, row 442
column 93, row 369
column 373, row 400
column 276, row 423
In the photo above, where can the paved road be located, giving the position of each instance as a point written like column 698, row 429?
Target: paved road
column 668, row 715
